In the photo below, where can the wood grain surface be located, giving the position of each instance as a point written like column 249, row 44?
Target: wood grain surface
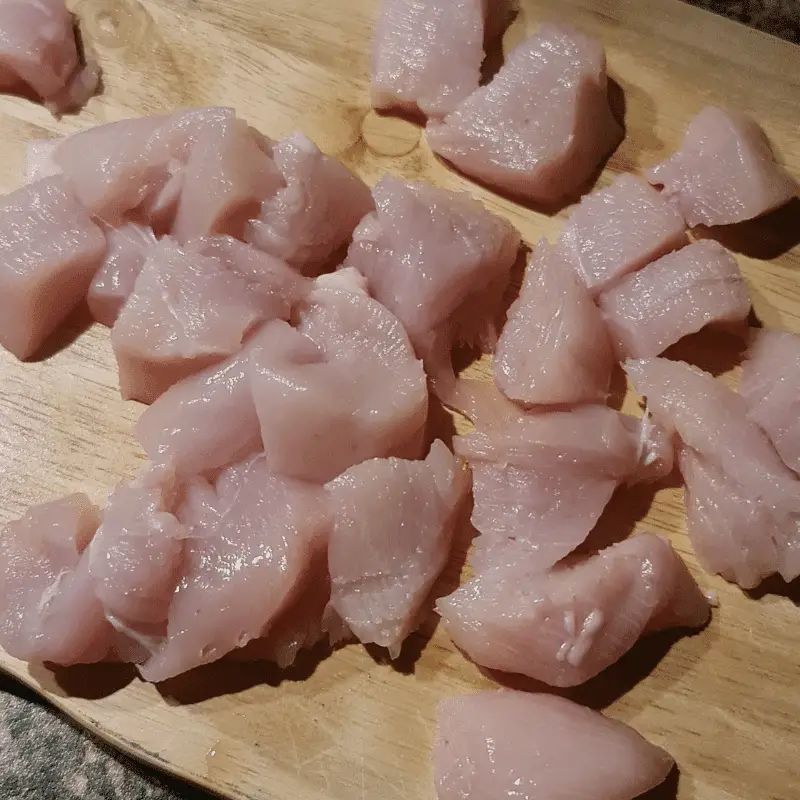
column 347, row 726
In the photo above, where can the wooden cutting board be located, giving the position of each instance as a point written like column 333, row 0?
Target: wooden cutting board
column 725, row 702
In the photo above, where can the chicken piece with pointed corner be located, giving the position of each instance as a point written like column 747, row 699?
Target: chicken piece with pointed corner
column 502, row 744
column 393, row 524
column 567, row 624
column 724, row 172
column 542, row 126
column 441, row 263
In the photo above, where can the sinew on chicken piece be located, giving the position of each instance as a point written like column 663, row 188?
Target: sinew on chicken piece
column 136, row 558
column 542, row 126
column 565, row 625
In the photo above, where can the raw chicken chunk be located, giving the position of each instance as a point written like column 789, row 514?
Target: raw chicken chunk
column 488, row 408
column 393, row 526
column 542, row 126
column 38, row 50
column 209, row 420
column 128, row 249
column 133, row 164
column 224, row 182
column 49, row 609
column 305, row 623
column 426, row 56
column 733, row 535
column 136, row 557
column 481, row 402
column 269, row 272
column 725, row 171
column 618, row 230
column 503, row 744
column 358, row 393
column 565, row 626
column 309, row 220
column 554, row 348
column 742, row 502
column 41, row 283
column 771, row 389
column 189, row 311
column 39, row 161
column 677, row 295
column 439, row 261
column 542, row 481
column 252, row 539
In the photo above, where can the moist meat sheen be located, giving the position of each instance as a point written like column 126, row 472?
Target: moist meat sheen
column 542, row 126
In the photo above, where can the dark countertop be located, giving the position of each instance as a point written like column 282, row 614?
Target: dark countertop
column 43, row 756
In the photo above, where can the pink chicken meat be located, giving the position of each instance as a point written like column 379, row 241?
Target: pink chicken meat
column 724, row 172
column 226, row 178
column 541, row 482
column 426, row 56
column 38, row 51
column 677, row 295
column 137, row 164
column 307, row 622
column 503, row 744
column 128, row 249
column 439, row 261
column 542, row 126
column 482, row 403
column 209, row 420
column 40, row 285
column 137, row 555
column 252, row 538
column 310, row 219
column 393, row 525
column 619, row 229
column 554, row 348
column 190, row 310
column 49, row 609
column 771, row 389
column 742, row 502
column 358, row 391
column 564, row 626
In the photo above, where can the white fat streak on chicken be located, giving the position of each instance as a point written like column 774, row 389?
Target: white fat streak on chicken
column 574, row 651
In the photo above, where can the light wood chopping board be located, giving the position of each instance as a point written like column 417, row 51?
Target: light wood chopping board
column 725, row 702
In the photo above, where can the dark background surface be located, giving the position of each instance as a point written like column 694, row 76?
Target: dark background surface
column 43, row 756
